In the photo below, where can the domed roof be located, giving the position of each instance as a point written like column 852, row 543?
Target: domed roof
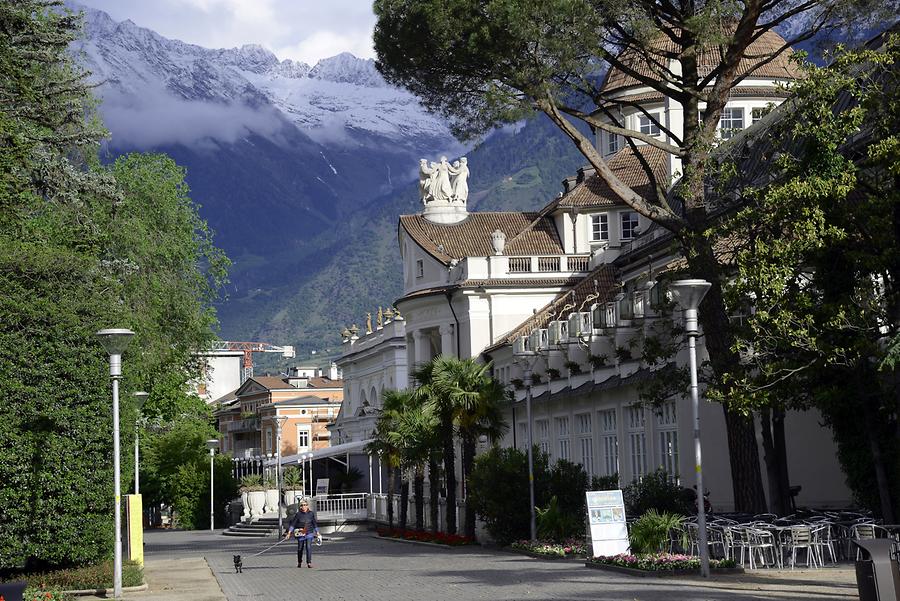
column 769, row 42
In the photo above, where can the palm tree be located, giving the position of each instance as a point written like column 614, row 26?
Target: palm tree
column 383, row 445
column 466, row 401
column 408, row 428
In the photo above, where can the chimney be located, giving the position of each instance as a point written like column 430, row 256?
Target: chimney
column 333, row 371
column 585, row 172
column 568, row 184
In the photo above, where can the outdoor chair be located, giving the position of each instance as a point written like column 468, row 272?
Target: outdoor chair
column 801, row 538
column 763, row 543
column 822, row 540
column 865, row 531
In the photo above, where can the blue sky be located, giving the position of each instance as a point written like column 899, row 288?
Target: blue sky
column 305, row 30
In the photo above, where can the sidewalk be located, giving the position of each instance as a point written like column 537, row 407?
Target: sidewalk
column 177, row 580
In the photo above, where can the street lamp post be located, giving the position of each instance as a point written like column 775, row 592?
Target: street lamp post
column 688, row 294
column 212, row 444
column 528, row 358
column 115, row 341
column 139, row 399
column 279, row 423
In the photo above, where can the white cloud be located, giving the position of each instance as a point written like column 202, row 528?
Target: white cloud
column 306, row 30
column 325, row 43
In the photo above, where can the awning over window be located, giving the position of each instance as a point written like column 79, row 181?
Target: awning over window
column 354, row 448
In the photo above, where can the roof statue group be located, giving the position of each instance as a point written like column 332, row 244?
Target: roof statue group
column 443, row 182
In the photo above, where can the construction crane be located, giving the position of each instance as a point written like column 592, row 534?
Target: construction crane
column 248, row 348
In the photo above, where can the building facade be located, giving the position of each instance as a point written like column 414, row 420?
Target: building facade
column 582, row 283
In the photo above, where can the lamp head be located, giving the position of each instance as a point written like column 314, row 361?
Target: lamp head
column 689, row 293
column 212, row 444
column 280, row 420
column 140, row 398
column 115, row 340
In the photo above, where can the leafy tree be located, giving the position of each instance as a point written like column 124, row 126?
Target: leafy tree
column 819, row 267
column 487, row 62
column 79, row 251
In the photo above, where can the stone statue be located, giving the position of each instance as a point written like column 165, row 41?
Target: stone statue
column 389, row 314
column 425, row 176
column 460, row 182
column 380, row 318
column 442, row 190
column 368, row 323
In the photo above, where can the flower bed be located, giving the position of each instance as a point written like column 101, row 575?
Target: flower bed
column 569, row 548
column 440, row 538
column 660, row 563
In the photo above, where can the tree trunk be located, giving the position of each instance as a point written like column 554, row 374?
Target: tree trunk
column 884, row 490
column 778, row 415
column 468, row 461
column 419, row 492
column 743, row 451
column 404, row 498
column 779, row 504
column 450, row 475
column 392, row 482
column 434, row 484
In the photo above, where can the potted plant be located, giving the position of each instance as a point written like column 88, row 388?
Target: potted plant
column 256, row 494
column 535, row 378
column 574, row 368
column 293, row 485
column 623, row 353
column 597, row 361
column 271, row 489
column 552, row 373
column 518, row 383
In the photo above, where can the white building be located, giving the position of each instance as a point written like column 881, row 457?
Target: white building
column 476, row 283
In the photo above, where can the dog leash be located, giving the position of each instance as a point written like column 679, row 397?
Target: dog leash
column 267, row 548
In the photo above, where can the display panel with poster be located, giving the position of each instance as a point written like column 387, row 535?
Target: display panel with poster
column 606, row 516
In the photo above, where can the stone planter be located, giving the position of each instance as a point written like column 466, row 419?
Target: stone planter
column 272, row 500
column 257, row 501
column 292, row 496
column 245, row 501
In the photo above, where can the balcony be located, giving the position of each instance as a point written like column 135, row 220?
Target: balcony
column 249, row 424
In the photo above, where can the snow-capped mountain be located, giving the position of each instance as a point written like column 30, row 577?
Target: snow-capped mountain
column 341, row 91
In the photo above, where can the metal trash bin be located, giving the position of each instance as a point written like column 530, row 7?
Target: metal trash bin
column 878, row 577
column 13, row 591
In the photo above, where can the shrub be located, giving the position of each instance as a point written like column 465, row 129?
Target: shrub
column 610, row 482
column 650, row 532
column 574, row 367
column 568, row 483
column 253, row 482
column 98, row 575
column 660, row 562
column 553, row 524
column 568, row 548
column 552, row 373
column 657, row 491
column 441, row 538
column 597, row 361
column 504, row 509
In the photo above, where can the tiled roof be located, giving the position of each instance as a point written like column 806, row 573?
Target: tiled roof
column 495, row 283
column 601, row 281
column 325, row 382
column 595, row 192
column 526, row 234
column 271, row 382
column 664, row 47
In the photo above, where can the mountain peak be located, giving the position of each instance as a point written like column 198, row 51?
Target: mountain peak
column 347, row 68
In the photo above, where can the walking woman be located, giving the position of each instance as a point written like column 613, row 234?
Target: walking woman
column 305, row 528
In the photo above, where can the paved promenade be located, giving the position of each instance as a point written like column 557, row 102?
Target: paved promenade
column 357, row 566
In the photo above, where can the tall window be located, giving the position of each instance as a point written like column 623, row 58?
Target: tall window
column 270, row 445
column 599, row 227
column 562, row 433
column 302, row 438
column 585, row 442
column 637, row 441
column 612, row 143
column 609, row 442
column 523, row 435
column 420, row 268
column 731, row 122
column 667, row 431
column 630, row 225
column 648, row 126
column 758, row 113
column 543, row 431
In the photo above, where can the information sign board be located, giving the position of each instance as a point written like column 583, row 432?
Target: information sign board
column 321, row 487
column 606, row 516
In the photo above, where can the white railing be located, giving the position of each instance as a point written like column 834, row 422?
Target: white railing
column 549, row 264
column 378, row 512
column 353, row 506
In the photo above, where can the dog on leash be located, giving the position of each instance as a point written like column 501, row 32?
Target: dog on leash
column 238, row 564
